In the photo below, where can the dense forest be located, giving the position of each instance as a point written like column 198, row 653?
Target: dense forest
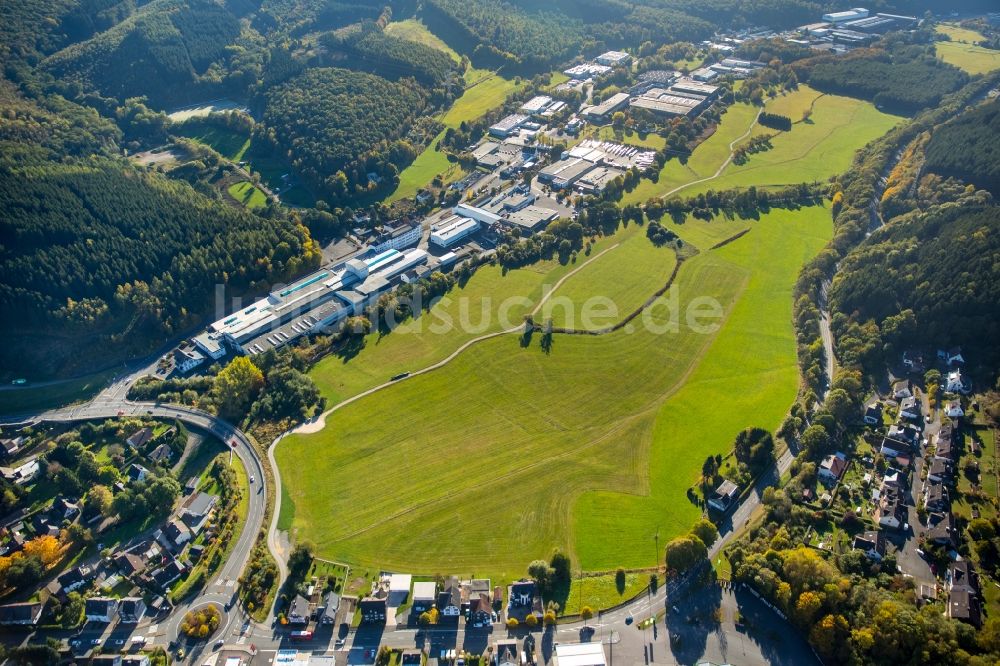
column 938, row 265
column 367, row 47
column 166, row 45
column 338, row 126
column 903, row 79
column 967, row 148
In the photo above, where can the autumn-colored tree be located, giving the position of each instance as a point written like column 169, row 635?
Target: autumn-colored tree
column 237, row 386
column 531, row 621
column 512, row 623
column 45, row 547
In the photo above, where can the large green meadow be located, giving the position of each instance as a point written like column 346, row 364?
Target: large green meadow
column 587, row 443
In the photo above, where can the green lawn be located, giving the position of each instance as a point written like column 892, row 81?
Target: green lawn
column 612, row 286
column 484, row 93
column 231, row 145
column 248, row 195
column 509, row 451
column 973, row 59
column 601, row 592
column 429, row 164
column 814, row 150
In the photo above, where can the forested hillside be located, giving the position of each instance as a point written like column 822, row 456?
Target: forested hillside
column 159, row 52
column 368, row 48
column 968, row 148
column 92, row 247
column 904, row 79
column 340, row 125
column 928, row 278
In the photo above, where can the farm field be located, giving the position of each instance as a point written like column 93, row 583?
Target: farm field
column 231, row 145
column 507, row 434
column 814, row 150
column 622, row 278
column 973, row 59
column 248, row 195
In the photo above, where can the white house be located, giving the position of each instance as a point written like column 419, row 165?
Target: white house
column 832, row 467
column 101, row 609
column 954, row 410
column 909, row 408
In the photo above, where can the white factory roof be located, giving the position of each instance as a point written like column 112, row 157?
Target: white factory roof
column 536, row 104
column 454, row 226
column 400, row 583
column 580, row 654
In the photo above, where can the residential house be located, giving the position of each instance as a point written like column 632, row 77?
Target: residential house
column 135, row 660
column 164, row 577
column 399, row 588
column 724, row 496
column 890, row 511
column 196, row 510
column 955, row 384
column 893, row 478
column 947, row 446
column 524, row 600
column 900, row 441
column 22, row 474
column 873, row 414
column 175, row 534
column 331, row 604
column 162, row 453
column 951, row 356
column 914, row 362
column 476, row 602
column 24, row 614
column 131, row 610
column 935, row 497
column 963, row 593
column 298, row 610
column 953, row 410
column 939, row 471
column 449, row 600
column 101, row 609
column 140, row 438
column 76, row 578
column 872, row 544
column 832, row 468
column 137, row 473
column 505, row 651
column 106, row 660
column 187, row 357
column 909, row 408
column 411, row 657
column 9, row 446
column 901, row 390
column 424, row 596
column 64, row 509
column 129, row 563
column 373, row 609
column 941, row 528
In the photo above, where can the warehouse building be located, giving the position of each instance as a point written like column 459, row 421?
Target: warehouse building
column 317, row 301
column 662, row 102
column 531, row 219
column 601, row 113
column 613, row 59
column 849, row 15
column 564, row 173
column 396, row 236
column 586, row 71
column 452, row 229
column 508, row 126
column 537, row 105
column 704, row 74
column 595, row 180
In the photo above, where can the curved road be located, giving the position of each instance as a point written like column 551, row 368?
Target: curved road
column 221, row 589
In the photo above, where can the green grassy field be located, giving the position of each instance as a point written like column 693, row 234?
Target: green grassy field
column 231, row 145
column 814, row 150
column 601, row 591
column 414, row 30
column 703, row 162
column 973, row 59
column 429, row 164
column 612, row 285
column 509, row 451
column 248, row 195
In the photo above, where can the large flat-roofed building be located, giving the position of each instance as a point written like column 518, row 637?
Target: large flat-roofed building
column 536, row 105
column 509, row 125
column 602, row 112
column 849, row 15
column 478, row 214
column 452, row 230
column 581, row 654
column 312, row 303
column 704, row 74
column 613, row 58
column 564, row 172
column 660, row 101
column 531, row 219
column 692, row 87
column 586, row 71
column 397, row 236
column 595, row 180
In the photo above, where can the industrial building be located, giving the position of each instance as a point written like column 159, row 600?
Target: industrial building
column 586, row 71
column 452, row 229
column 704, row 74
column 601, row 113
column 849, row 15
column 508, row 126
column 309, row 305
column 531, row 219
column 565, row 172
column 396, row 236
column 613, row 59
column 538, row 105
